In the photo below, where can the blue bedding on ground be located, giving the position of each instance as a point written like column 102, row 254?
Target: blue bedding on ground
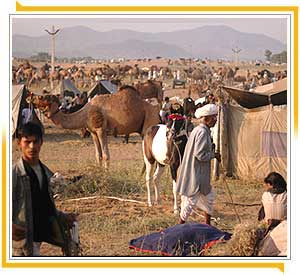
column 180, row 240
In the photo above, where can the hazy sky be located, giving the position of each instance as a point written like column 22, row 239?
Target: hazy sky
column 273, row 27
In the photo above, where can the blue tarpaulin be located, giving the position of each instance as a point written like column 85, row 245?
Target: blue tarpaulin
column 188, row 239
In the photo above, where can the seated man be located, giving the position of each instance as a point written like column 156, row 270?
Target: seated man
column 35, row 218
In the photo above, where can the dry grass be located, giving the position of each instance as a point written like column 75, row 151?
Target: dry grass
column 244, row 241
column 107, row 225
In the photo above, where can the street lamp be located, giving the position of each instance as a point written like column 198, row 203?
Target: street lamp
column 52, row 33
column 236, row 51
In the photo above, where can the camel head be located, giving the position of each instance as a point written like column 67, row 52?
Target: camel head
column 48, row 104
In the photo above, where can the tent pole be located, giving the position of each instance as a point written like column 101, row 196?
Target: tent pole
column 216, row 171
column 216, row 163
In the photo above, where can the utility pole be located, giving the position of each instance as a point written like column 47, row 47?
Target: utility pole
column 236, row 52
column 52, row 33
column 191, row 53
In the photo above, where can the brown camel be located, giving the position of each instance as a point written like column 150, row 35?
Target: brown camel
column 54, row 76
column 151, row 89
column 122, row 113
column 197, row 75
column 27, row 73
column 38, row 76
column 230, row 75
column 63, row 73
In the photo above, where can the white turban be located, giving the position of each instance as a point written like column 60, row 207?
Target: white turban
column 206, row 110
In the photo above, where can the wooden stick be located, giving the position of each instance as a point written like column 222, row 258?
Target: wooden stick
column 127, row 200
column 84, row 198
column 106, row 197
column 241, row 204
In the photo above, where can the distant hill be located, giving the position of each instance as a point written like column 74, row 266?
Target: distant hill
column 204, row 42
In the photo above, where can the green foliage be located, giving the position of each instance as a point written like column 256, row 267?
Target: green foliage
column 41, row 57
column 268, row 54
column 279, row 58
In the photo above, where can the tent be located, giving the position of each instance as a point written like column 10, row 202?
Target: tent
column 274, row 93
column 19, row 95
column 253, row 140
column 66, row 88
column 102, row 87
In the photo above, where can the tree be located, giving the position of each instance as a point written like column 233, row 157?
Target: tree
column 279, row 58
column 268, row 54
column 41, row 56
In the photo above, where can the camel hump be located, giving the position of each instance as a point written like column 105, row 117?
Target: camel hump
column 130, row 89
column 127, row 87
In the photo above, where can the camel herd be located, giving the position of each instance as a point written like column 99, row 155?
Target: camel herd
column 83, row 77
column 198, row 77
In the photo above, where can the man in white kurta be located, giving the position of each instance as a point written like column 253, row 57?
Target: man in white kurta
column 194, row 179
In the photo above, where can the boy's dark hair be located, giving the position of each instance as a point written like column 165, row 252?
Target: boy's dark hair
column 276, row 180
column 30, row 129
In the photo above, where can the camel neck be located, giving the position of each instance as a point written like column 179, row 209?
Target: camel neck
column 75, row 120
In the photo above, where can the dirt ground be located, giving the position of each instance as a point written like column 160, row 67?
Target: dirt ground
column 107, row 224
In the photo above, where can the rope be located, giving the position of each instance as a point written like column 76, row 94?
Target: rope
column 231, row 199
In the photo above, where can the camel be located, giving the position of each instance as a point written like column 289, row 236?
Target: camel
column 134, row 72
column 26, row 65
column 63, row 73
column 165, row 73
column 122, row 113
column 151, row 89
column 38, row 76
column 197, row 90
column 197, row 75
column 240, row 78
column 230, row 74
column 54, row 76
column 78, row 75
column 27, row 74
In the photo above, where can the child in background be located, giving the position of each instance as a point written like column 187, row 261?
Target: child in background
column 274, row 200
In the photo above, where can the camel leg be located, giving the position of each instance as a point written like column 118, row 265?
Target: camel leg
column 101, row 134
column 98, row 149
column 157, row 174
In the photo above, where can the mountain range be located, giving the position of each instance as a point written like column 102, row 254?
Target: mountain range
column 211, row 41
